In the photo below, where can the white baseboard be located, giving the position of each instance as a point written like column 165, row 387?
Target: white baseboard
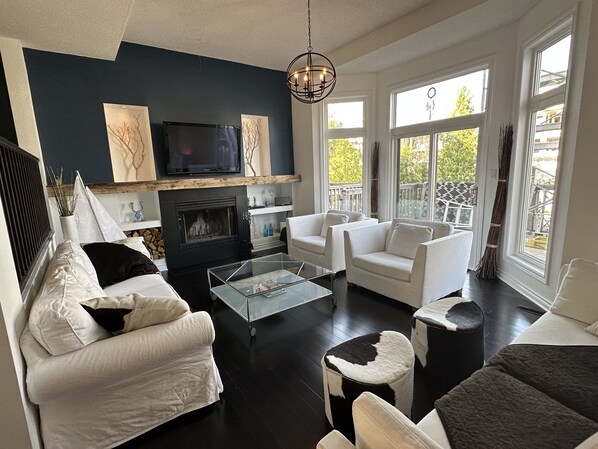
column 534, row 297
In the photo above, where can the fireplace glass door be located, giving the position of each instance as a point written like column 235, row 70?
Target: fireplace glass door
column 205, row 225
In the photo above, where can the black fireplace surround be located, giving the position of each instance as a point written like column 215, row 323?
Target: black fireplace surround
column 205, row 227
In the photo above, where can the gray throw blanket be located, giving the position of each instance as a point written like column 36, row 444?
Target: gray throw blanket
column 527, row 396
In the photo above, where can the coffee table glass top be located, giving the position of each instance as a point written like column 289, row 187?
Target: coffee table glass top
column 263, row 286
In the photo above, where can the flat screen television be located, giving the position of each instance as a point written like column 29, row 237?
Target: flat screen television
column 195, row 148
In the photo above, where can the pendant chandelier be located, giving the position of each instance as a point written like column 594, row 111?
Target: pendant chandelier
column 310, row 82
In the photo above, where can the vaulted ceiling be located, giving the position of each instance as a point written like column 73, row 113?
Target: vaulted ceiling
column 358, row 35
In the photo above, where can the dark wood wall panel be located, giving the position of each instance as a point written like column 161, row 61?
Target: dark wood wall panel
column 25, row 209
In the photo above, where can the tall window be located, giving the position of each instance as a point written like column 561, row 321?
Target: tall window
column 345, row 140
column 544, row 106
column 437, row 127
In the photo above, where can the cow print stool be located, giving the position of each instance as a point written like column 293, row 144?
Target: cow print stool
column 448, row 339
column 380, row 363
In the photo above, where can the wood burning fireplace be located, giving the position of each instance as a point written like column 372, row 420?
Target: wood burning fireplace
column 205, row 227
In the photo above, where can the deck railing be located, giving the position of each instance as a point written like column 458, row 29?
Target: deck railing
column 345, row 197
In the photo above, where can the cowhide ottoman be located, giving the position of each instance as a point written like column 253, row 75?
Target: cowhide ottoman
column 448, row 339
column 381, row 363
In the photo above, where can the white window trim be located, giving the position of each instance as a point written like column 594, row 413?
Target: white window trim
column 340, row 133
column 478, row 120
column 529, row 104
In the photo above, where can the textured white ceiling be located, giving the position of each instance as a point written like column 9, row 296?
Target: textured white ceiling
column 83, row 27
column 265, row 33
column 358, row 35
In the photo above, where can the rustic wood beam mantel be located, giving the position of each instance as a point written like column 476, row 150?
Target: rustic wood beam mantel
column 182, row 184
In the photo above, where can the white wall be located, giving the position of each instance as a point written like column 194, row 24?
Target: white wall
column 497, row 49
column 523, row 277
column 18, row 419
column 581, row 238
column 304, row 193
column 576, row 213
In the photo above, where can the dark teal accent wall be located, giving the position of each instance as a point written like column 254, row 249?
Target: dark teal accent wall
column 69, row 93
column 7, row 123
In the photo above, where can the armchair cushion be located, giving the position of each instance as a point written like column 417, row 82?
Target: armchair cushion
column 439, row 229
column 313, row 243
column 385, row 264
column 406, row 238
column 332, row 219
column 577, row 295
column 127, row 313
column 353, row 216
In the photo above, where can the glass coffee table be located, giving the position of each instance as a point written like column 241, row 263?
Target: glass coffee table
column 260, row 287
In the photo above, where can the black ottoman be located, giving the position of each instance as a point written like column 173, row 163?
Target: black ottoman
column 381, row 363
column 448, row 339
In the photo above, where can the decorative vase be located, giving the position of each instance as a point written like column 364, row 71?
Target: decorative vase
column 69, row 228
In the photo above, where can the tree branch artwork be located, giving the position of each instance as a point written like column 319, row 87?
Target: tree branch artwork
column 129, row 139
column 252, row 134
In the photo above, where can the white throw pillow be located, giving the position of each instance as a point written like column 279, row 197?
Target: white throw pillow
column 593, row 329
column 406, row 238
column 127, row 313
column 577, row 296
column 56, row 320
column 136, row 243
column 69, row 250
column 332, row 219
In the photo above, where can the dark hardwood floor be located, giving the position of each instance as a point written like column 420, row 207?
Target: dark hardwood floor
column 273, row 384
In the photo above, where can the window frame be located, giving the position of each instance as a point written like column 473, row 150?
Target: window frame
column 431, row 127
column 530, row 103
column 346, row 133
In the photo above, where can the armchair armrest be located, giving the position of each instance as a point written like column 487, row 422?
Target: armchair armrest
column 440, row 265
column 334, row 440
column 107, row 361
column 304, row 225
column 335, row 234
column 366, row 240
column 378, row 425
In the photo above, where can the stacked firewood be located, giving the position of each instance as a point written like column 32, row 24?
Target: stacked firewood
column 154, row 240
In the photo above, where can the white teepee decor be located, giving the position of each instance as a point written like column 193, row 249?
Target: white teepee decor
column 94, row 223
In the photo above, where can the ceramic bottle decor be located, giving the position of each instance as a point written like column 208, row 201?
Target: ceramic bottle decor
column 69, row 228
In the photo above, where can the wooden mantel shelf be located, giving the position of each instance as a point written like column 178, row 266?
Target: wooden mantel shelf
column 191, row 183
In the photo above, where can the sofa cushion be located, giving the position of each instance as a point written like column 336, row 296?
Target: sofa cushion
column 121, row 314
column 592, row 329
column 115, row 263
column 577, row 296
column 406, row 238
column 147, row 285
column 332, row 219
column 312, row 243
column 56, row 320
column 385, row 264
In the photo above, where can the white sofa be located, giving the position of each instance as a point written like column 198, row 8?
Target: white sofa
column 379, row 425
column 438, row 268
column 305, row 240
column 99, row 390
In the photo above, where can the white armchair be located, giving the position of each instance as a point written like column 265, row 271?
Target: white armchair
column 436, row 269
column 379, row 425
column 305, row 241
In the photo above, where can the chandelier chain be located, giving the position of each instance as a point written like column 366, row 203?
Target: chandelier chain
column 309, row 47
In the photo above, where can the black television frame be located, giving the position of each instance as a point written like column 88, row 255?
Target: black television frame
column 239, row 161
